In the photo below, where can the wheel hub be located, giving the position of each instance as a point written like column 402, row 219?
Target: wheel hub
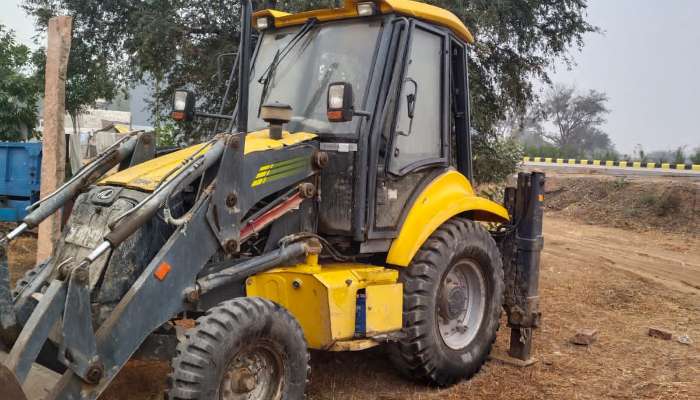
column 461, row 304
column 254, row 374
column 243, row 381
column 454, row 302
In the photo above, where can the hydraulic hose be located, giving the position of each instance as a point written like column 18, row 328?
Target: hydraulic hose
column 253, row 266
column 71, row 189
column 143, row 212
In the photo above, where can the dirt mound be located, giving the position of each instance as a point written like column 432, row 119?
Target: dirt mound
column 637, row 204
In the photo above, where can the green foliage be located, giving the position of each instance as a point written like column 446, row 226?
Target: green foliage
column 18, row 90
column 495, row 157
column 91, row 74
column 662, row 205
column 695, row 157
column 620, row 183
column 679, row 155
column 639, row 154
column 516, row 41
column 172, row 43
column 164, row 43
column 167, row 133
column 607, row 155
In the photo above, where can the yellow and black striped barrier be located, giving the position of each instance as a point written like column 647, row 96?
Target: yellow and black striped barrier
column 619, row 164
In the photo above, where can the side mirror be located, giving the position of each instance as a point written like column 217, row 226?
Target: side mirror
column 183, row 106
column 340, row 102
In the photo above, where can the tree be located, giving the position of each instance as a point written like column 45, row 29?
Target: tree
column 679, row 155
column 517, row 42
column 577, row 119
column 171, row 43
column 695, row 157
column 19, row 92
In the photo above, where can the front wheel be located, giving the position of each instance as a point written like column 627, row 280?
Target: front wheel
column 453, row 294
column 246, row 348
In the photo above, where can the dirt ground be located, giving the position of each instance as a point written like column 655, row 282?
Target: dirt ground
column 592, row 277
column 610, row 274
column 670, row 205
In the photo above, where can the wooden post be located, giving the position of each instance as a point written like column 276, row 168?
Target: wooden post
column 53, row 164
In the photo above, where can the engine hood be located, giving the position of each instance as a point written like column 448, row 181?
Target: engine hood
column 147, row 176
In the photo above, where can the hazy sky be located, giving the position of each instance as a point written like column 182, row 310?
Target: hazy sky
column 647, row 61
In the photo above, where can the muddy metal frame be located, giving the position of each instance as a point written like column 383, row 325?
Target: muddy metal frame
column 215, row 220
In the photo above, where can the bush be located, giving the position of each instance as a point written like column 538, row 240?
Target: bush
column 695, row 157
column 495, row 157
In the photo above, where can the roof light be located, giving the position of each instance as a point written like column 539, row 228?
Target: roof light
column 365, row 9
column 263, row 23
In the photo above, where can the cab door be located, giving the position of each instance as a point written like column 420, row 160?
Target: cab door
column 416, row 148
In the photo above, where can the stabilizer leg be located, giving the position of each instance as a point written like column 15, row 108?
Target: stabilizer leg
column 523, row 254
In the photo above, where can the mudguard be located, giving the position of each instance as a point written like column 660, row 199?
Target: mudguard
column 448, row 195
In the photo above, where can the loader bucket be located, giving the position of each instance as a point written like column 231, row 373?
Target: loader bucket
column 10, row 386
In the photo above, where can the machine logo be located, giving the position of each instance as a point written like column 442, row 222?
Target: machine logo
column 105, row 194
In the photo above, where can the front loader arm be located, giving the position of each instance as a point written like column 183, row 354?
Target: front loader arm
column 166, row 279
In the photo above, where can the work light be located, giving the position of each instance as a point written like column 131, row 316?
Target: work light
column 263, row 23
column 366, row 9
column 336, row 94
column 183, row 105
column 340, row 102
column 180, row 102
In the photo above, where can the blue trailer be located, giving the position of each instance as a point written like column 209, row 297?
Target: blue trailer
column 20, row 178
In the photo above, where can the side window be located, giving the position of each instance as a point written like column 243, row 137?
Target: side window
column 420, row 138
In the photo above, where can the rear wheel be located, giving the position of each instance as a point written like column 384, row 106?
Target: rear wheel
column 453, row 294
column 247, row 348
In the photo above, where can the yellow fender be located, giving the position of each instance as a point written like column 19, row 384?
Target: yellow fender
column 448, row 195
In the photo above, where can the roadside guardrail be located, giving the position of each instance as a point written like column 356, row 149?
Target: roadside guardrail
column 619, row 164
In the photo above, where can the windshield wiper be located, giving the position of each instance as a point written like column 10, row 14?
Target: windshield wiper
column 269, row 74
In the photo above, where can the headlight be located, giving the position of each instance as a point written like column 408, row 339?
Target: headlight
column 263, row 23
column 366, row 9
column 180, row 102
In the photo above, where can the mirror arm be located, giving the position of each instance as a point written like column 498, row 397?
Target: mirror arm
column 216, row 116
column 360, row 113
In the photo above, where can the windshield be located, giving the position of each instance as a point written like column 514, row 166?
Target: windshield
column 338, row 52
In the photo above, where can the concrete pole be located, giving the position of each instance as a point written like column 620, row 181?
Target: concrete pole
column 53, row 164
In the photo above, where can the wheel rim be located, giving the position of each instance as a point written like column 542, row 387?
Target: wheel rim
column 256, row 373
column 461, row 304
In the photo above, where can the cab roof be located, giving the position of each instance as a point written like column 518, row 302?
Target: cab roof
column 426, row 12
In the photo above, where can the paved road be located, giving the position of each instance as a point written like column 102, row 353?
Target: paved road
column 614, row 171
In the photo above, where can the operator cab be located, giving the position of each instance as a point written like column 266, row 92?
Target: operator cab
column 403, row 67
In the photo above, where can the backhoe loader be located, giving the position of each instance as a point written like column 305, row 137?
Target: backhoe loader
column 332, row 210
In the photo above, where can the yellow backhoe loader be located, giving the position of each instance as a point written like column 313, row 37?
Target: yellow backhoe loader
column 332, row 210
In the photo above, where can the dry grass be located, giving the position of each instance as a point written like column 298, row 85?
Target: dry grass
column 635, row 204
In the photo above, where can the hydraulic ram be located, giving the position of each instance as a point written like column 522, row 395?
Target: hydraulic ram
column 85, row 177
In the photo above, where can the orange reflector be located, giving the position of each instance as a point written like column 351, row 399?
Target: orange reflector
column 162, row 271
column 335, row 115
column 541, row 198
column 178, row 115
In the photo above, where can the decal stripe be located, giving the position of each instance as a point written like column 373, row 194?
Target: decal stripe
column 276, row 171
